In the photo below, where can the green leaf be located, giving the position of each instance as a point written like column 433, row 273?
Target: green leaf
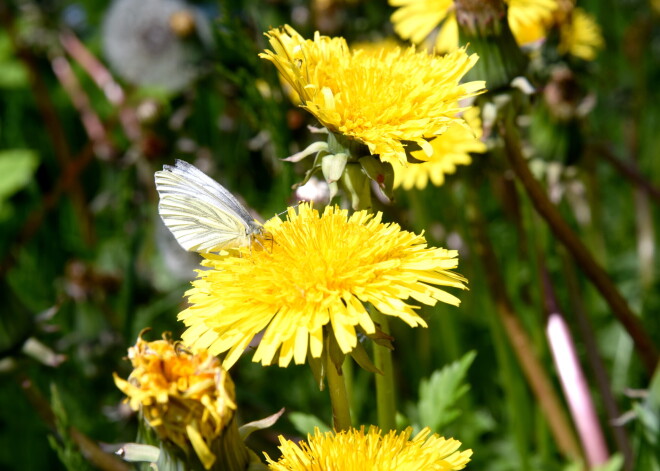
column 615, row 463
column 17, row 167
column 439, row 394
column 306, row 423
column 13, row 73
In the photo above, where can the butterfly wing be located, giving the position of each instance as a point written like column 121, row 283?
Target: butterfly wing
column 201, row 213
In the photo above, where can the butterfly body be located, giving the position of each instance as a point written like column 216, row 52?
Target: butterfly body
column 202, row 214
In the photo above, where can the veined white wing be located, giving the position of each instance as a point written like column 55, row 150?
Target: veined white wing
column 201, row 213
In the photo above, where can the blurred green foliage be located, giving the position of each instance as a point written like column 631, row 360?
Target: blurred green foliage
column 87, row 264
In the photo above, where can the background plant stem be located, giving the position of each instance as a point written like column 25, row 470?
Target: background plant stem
column 578, row 250
column 522, row 345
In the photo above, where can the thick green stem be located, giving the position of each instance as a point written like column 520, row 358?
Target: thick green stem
column 341, row 413
column 596, row 274
column 385, row 382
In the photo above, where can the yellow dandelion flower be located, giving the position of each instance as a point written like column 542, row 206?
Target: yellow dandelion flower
column 317, row 275
column 415, row 20
column 186, row 398
column 355, row 450
column 580, row 35
column 449, row 150
column 379, row 100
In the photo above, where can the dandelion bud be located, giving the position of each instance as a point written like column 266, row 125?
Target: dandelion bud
column 484, row 26
column 187, row 400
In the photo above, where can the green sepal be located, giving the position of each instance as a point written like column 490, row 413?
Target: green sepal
column 361, row 357
column 356, row 184
column 333, row 165
column 334, row 189
column 246, row 429
column 380, row 172
column 381, row 338
column 336, row 355
column 315, row 166
column 317, row 365
column 139, row 452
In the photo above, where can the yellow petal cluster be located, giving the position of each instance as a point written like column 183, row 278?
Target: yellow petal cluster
column 449, row 150
column 357, row 450
column 379, row 100
column 318, row 273
column 186, row 398
column 415, row 20
column 580, row 35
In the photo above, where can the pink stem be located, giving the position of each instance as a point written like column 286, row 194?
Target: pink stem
column 576, row 390
column 104, row 80
column 94, row 68
column 90, row 120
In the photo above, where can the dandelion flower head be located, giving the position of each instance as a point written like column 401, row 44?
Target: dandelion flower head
column 580, row 35
column 318, row 274
column 379, row 100
column 357, row 450
column 186, row 398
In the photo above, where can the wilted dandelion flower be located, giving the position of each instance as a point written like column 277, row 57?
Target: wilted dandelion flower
column 415, row 20
column 156, row 43
column 380, row 100
column 316, row 276
column 357, row 450
column 186, row 398
column 580, row 35
column 449, row 150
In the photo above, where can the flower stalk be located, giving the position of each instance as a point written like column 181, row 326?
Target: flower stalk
column 385, row 399
column 341, row 413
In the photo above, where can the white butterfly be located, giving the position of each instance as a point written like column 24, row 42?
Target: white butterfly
column 201, row 213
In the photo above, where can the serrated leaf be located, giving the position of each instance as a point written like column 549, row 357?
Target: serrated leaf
column 65, row 447
column 439, row 394
column 305, row 423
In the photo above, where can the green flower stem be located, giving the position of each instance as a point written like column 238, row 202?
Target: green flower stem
column 385, row 382
column 341, row 412
column 596, row 274
column 348, row 374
